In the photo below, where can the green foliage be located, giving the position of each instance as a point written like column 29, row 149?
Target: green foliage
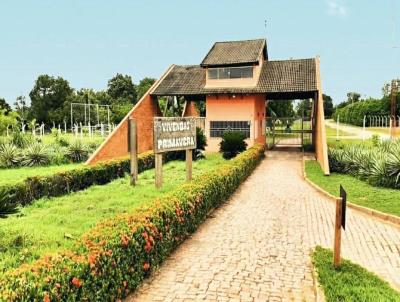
column 6, row 207
column 282, row 108
column 350, row 282
column 10, row 155
column 143, row 86
column 77, row 151
column 36, row 154
column 61, row 183
column 48, row 97
column 358, row 191
column 378, row 164
column 8, row 119
column 115, row 256
column 328, row 105
column 232, row 144
column 4, row 105
column 121, row 88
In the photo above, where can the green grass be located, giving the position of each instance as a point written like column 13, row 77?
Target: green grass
column 52, row 224
column 350, row 282
column 358, row 191
column 332, row 132
column 11, row 176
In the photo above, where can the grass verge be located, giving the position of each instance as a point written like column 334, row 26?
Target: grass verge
column 12, row 176
column 350, row 282
column 358, row 191
column 51, row 224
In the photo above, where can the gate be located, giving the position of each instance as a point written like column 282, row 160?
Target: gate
column 288, row 132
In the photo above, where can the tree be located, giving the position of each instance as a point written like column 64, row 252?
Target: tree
column 48, row 97
column 143, row 86
column 303, row 108
column 7, row 120
column 21, row 108
column 4, row 105
column 353, row 97
column 122, row 89
column 282, row 108
column 328, row 105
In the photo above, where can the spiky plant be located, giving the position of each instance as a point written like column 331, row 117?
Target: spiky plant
column 77, row 151
column 9, row 155
column 6, row 207
column 36, row 154
column 393, row 164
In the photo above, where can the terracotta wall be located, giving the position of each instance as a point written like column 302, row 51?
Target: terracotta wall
column 321, row 147
column 239, row 108
column 116, row 145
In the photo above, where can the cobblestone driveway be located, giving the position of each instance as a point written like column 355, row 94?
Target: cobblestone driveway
column 256, row 247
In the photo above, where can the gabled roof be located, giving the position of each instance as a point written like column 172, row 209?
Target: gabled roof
column 235, row 53
column 277, row 77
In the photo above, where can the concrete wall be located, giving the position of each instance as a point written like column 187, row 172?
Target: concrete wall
column 239, row 108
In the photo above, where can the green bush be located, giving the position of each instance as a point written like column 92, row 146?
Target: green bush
column 62, row 183
column 379, row 165
column 113, row 258
column 6, row 207
column 36, row 154
column 232, row 144
column 10, row 155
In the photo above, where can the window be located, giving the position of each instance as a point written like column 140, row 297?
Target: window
column 230, row 72
column 217, row 128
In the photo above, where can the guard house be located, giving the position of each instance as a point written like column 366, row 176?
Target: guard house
column 236, row 79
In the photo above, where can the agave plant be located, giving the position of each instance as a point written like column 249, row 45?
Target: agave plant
column 6, row 207
column 36, row 154
column 393, row 164
column 9, row 155
column 77, row 151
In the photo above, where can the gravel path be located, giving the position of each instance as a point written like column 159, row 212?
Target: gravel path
column 256, row 247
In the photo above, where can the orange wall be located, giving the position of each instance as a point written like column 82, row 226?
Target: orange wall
column 239, row 108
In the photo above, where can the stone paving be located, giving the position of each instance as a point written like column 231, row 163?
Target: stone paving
column 256, row 247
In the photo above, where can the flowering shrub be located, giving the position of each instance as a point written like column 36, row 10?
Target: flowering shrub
column 62, row 183
column 113, row 258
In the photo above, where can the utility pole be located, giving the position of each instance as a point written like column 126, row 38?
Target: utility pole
column 393, row 109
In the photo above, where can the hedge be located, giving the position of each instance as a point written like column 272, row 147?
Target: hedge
column 112, row 259
column 62, row 183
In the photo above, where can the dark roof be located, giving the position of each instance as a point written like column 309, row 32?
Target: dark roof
column 235, row 53
column 277, row 77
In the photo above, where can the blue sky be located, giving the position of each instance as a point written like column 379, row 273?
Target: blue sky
column 88, row 41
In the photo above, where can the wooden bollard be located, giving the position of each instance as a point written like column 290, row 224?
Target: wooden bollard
column 338, row 233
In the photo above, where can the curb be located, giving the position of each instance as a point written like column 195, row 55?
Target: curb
column 374, row 213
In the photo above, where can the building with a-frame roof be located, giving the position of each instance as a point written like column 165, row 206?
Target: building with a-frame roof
column 235, row 79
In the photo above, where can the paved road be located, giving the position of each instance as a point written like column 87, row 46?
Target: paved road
column 358, row 132
column 256, row 247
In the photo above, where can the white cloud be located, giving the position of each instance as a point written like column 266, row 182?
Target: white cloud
column 337, row 8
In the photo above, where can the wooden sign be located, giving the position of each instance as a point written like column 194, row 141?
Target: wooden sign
column 173, row 134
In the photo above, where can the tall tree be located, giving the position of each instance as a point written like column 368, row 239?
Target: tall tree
column 48, row 97
column 21, row 108
column 282, row 108
column 143, row 86
column 353, row 97
column 328, row 105
column 122, row 89
column 4, row 105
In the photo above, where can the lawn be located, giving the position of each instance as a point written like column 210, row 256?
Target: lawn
column 358, row 191
column 350, row 282
column 332, row 132
column 14, row 175
column 52, row 224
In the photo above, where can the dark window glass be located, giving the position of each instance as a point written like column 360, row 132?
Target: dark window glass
column 213, row 73
column 230, row 72
column 217, row 128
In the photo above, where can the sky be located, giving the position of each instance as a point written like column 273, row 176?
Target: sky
column 88, row 41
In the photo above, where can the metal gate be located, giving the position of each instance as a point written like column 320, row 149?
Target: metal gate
column 288, row 131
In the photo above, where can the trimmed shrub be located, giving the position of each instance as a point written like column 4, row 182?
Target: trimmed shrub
column 6, row 208
column 232, row 144
column 62, row 183
column 115, row 256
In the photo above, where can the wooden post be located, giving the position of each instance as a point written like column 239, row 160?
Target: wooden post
column 133, row 150
column 158, row 164
column 338, row 233
column 189, row 164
